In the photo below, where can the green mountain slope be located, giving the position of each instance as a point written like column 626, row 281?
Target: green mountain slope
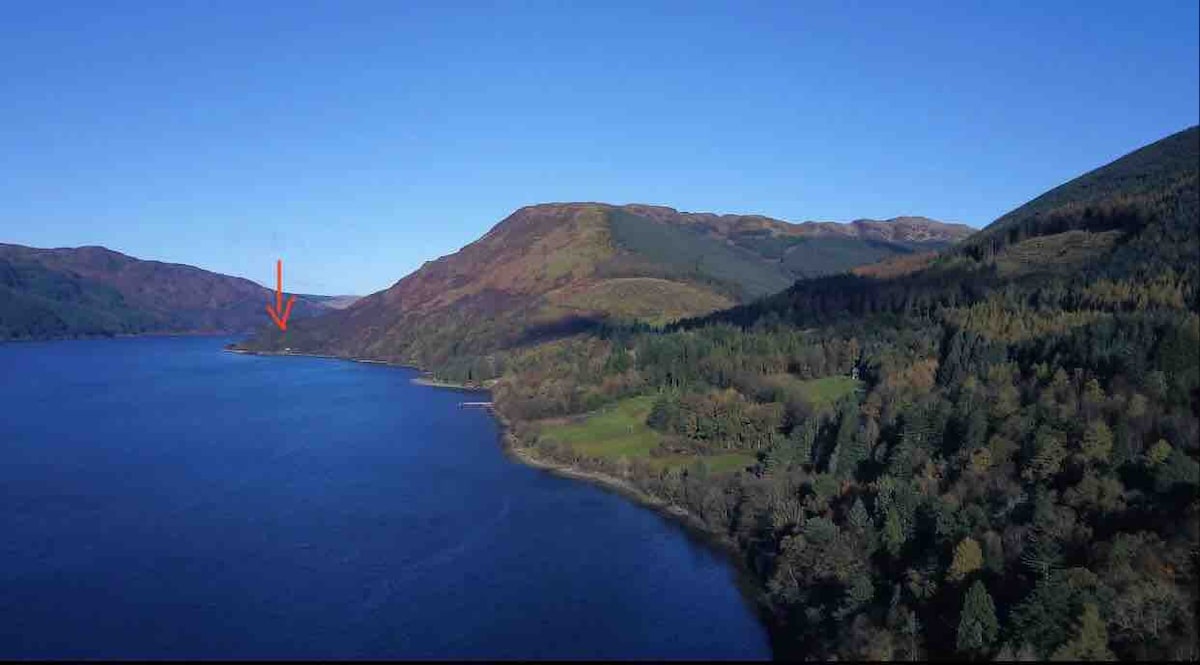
column 38, row 303
column 684, row 253
column 1110, row 197
column 1128, row 241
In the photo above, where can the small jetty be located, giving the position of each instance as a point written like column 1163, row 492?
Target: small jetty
column 474, row 405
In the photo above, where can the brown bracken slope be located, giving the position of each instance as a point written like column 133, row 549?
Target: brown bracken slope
column 557, row 268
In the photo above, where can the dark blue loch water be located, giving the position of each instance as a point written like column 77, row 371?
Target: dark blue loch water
column 162, row 498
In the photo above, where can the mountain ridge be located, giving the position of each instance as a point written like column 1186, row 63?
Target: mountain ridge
column 93, row 290
column 553, row 268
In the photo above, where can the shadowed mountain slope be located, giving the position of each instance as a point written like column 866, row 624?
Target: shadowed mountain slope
column 72, row 292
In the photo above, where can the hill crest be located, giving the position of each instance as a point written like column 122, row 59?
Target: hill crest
column 93, row 290
column 550, row 268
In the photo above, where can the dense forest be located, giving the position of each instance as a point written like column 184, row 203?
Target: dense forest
column 39, row 303
column 990, row 456
column 987, row 453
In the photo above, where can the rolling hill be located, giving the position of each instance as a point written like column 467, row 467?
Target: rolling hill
column 86, row 291
column 992, row 452
column 552, row 269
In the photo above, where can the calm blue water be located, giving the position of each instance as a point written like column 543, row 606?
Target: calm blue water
column 162, row 498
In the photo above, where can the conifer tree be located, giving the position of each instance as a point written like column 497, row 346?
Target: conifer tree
column 977, row 626
column 849, row 450
column 1091, row 639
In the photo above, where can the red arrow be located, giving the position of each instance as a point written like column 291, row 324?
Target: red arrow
column 280, row 314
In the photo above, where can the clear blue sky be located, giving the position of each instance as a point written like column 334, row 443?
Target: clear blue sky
column 359, row 139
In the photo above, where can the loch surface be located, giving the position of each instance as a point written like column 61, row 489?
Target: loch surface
column 164, row 498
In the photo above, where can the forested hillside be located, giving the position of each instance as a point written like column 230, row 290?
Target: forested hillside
column 557, row 269
column 991, row 453
column 85, row 291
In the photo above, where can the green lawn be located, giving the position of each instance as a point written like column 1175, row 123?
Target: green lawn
column 729, row 462
column 611, row 432
column 827, row 390
column 620, row 430
column 722, row 463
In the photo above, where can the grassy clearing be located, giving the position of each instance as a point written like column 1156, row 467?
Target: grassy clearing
column 729, row 462
column 1062, row 252
column 819, row 393
column 827, row 391
column 723, row 463
column 621, row 431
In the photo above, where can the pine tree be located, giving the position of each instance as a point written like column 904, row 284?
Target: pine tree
column 893, row 532
column 912, row 438
column 859, row 519
column 1122, row 450
column 1048, row 455
column 977, row 626
column 1042, row 554
column 849, row 450
column 800, row 442
column 910, row 630
column 975, row 431
column 1097, row 442
column 1091, row 640
column 1158, row 453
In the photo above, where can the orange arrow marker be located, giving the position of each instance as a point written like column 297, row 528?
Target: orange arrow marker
column 280, row 313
